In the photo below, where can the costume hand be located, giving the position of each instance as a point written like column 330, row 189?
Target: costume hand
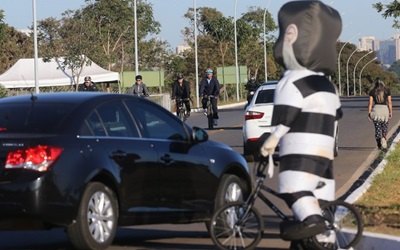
column 268, row 148
column 369, row 117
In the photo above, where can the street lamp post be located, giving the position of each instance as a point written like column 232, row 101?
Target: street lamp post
column 35, row 64
column 362, row 69
column 236, row 58
column 354, row 72
column 339, row 76
column 265, row 51
column 136, row 40
column 347, row 70
column 195, row 54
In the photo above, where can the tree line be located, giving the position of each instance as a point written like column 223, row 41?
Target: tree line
column 103, row 30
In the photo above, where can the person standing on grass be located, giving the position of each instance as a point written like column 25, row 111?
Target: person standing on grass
column 380, row 111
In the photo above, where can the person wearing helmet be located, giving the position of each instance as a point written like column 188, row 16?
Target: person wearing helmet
column 209, row 86
column 251, row 87
column 87, row 85
column 181, row 90
column 139, row 88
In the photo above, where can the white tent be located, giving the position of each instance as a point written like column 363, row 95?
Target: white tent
column 21, row 74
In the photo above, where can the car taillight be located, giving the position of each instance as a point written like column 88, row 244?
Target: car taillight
column 253, row 115
column 38, row 158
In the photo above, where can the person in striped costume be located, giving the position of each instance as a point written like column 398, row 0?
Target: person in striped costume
column 306, row 110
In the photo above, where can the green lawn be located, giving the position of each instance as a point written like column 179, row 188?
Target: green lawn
column 380, row 205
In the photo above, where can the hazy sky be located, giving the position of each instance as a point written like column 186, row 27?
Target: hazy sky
column 359, row 18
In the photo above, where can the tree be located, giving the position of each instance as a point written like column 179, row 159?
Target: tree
column 13, row 45
column 391, row 9
column 67, row 42
column 103, row 31
column 251, row 40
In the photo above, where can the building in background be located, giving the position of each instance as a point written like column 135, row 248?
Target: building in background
column 387, row 51
column 368, row 43
column 182, row 48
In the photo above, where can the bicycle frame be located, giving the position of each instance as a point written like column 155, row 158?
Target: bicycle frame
column 239, row 225
column 256, row 193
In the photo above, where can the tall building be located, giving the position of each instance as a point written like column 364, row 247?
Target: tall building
column 367, row 43
column 387, row 52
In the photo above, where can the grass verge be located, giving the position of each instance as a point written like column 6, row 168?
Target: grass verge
column 380, row 205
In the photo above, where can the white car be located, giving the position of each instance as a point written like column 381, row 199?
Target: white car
column 257, row 120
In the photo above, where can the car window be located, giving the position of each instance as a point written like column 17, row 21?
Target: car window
column 93, row 126
column 265, row 96
column 109, row 119
column 157, row 122
column 33, row 117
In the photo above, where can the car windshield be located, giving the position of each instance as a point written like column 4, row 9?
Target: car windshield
column 265, row 96
column 33, row 118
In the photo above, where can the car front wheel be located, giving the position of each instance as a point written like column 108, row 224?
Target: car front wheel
column 231, row 189
column 96, row 223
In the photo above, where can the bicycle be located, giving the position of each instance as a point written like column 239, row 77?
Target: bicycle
column 239, row 225
column 181, row 109
column 210, row 112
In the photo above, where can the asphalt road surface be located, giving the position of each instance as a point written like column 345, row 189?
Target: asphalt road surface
column 357, row 150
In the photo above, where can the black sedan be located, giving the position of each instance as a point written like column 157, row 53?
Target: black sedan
column 90, row 162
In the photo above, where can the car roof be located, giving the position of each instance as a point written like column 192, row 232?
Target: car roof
column 268, row 85
column 56, row 97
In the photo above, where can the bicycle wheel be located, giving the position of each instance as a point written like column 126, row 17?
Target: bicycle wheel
column 345, row 226
column 234, row 227
column 182, row 113
column 210, row 117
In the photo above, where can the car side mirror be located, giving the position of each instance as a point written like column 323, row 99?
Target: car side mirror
column 199, row 134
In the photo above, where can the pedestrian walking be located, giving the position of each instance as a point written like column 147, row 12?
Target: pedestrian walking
column 380, row 111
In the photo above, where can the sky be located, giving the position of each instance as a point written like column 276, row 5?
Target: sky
column 358, row 16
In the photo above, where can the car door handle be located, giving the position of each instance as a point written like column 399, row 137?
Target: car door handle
column 166, row 158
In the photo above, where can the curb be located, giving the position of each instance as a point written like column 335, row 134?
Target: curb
column 232, row 105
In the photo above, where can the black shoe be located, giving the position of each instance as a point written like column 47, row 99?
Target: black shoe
column 294, row 230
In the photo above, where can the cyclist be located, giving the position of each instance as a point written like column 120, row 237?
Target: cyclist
column 306, row 110
column 87, row 85
column 181, row 90
column 209, row 86
column 251, row 87
column 139, row 88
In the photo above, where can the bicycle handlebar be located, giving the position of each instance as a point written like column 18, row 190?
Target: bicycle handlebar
column 263, row 164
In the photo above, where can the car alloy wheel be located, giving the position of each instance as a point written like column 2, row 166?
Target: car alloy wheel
column 100, row 217
column 96, row 222
column 233, row 192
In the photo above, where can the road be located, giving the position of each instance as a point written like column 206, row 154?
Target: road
column 357, row 150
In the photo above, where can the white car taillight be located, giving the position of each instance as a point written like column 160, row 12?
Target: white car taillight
column 38, row 158
column 250, row 115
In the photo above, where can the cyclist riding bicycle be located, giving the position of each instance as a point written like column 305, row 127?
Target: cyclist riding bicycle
column 139, row 88
column 181, row 92
column 209, row 86
column 306, row 110
column 251, row 87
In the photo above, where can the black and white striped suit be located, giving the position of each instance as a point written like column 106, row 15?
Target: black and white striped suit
column 305, row 114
